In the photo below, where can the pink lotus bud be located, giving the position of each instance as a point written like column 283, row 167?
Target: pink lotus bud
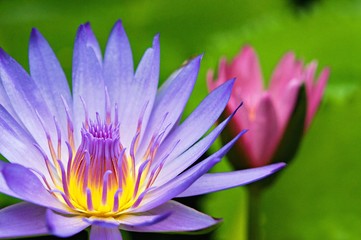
column 275, row 117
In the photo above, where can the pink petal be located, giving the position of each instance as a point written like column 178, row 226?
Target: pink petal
column 284, row 102
column 315, row 95
column 249, row 82
column 264, row 132
column 287, row 69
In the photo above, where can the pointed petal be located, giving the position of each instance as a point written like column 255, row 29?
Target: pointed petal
column 28, row 187
column 5, row 101
column 143, row 219
column 181, row 219
column 264, row 133
column 118, row 65
column 180, row 183
column 22, row 220
column 285, row 83
column 245, row 68
column 103, row 233
column 315, row 95
column 3, row 186
column 26, row 99
column 287, row 69
column 285, row 101
column 198, row 122
column 92, row 42
column 143, row 91
column 48, row 75
column 176, row 186
column 64, row 226
column 213, row 182
column 88, row 81
column 171, row 100
column 175, row 166
column 15, row 143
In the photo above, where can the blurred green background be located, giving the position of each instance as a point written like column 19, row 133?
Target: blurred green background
column 318, row 195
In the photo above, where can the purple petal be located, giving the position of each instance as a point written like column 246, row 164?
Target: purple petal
column 181, row 219
column 92, row 42
column 176, row 186
column 28, row 187
column 199, row 122
column 21, row 220
column 103, row 233
column 5, row 101
column 3, row 186
column 143, row 91
column 102, row 222
column 213, row 182
column 88, row 81
column 143, row 219
column 180, row 183
column 118, row 65
column 64, row 226
column 49, row 76
column 171, row 100
column 26, row 98
column 175, row 166
column 15, row 143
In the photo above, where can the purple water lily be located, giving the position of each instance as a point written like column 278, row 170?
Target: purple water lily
column 112, row 154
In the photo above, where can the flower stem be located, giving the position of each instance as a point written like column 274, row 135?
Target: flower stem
column 254, row 223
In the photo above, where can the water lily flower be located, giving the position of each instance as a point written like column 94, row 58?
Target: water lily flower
column 267, row 113
column 113, row 154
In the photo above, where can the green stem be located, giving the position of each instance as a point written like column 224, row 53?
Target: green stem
column 254, row 223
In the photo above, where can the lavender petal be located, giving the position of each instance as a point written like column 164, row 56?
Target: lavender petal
column 181, row 219
column 171, row 100
column 88, row 83
column 26, row 99
column 22, row 219
column 118, row 65
column 16, row 142
column 199, row 122
column 64, row 226
column 49, row 76
column 28, row 187
column 212, row 182
column 143, row 88
column 103, row 233
column 180, row 183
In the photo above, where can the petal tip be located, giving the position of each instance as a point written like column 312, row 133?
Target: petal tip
column 156, row 41
column 34, row 34
column 118, row 28
column 231, row 81
column 278, row 166
column 3, row 54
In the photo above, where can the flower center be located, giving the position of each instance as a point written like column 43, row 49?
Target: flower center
column 95, row 181
column 101, row 177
